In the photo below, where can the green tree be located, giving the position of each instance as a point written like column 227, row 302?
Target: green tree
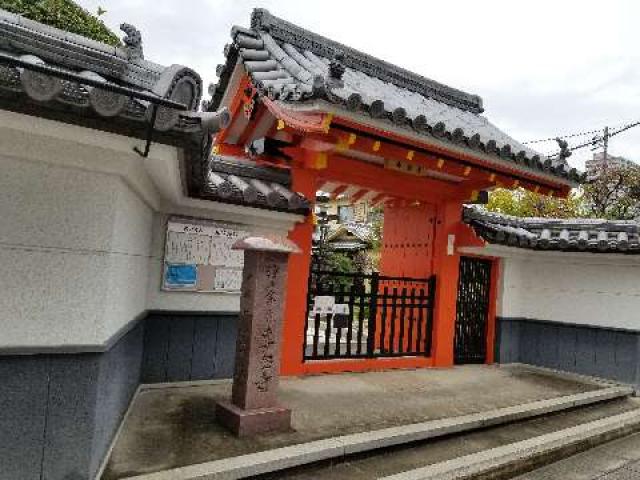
column 524, row 203
column 336, row 262
column 63, row 14
column 614, row 193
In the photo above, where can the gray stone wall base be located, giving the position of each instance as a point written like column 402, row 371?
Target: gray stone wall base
column 595, row 351
column 188, row 347
column 60, row 412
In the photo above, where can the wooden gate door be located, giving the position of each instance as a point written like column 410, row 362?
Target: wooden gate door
column 474, row 287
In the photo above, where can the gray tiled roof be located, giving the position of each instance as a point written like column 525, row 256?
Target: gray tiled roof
column 590, row 235
column 29, row 41
column 291, row 64
column 361, row 231
column 241, row 182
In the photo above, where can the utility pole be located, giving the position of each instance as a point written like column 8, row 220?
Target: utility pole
column 605, row 144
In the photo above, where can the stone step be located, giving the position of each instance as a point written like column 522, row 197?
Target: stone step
column 512, row 459
column 417, row 455
column 338, row 448
column 615, row 460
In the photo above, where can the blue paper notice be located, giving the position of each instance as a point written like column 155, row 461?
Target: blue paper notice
column 181, row 275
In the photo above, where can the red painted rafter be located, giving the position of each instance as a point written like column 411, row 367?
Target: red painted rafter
column 358, row 195
column 257, row 116
column 338, row 191
column 345, row 170
column 378, row 198
column 503, row 174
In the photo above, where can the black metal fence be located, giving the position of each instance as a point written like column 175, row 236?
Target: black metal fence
column 356, row 315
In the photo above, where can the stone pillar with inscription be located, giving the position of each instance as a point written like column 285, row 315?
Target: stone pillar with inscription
column 254, row 407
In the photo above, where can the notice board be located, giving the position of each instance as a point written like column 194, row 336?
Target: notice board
column 198, row 256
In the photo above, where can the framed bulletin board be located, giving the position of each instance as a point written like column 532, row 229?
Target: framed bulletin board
column 198, row 257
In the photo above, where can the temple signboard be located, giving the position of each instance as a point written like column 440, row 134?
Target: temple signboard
column 198, row 257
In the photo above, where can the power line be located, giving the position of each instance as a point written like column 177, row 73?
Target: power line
column 626, row 127
column 569, row 135
column 604, row 139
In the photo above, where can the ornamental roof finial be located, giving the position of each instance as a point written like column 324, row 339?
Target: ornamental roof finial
column 336, row 67
column 565, row 151
column 132, row 41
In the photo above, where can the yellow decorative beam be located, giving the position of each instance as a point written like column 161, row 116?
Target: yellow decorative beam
column 326, row 122
column 280, row 125
column 321, row 161
column 492, row 177
column 467, row 171
column 440, row 162
column 376, row 146
column 410, row 154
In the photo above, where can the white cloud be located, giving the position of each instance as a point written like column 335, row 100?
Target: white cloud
column 543, row 68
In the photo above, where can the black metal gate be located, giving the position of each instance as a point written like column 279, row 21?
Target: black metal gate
column 472, row 309
column 356, row 315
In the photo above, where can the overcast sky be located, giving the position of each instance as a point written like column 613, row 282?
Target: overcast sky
column 543, row 68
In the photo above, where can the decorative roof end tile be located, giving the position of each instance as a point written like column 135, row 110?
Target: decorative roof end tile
column 132, row 42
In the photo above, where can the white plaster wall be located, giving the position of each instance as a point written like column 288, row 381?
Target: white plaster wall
column 579, row 288
column 74, row 248
column 82, row 230
column 128, row 273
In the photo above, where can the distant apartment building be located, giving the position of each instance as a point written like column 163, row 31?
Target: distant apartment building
column 596, row 164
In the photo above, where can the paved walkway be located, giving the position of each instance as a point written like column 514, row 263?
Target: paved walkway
column 618, row 460
column 175, row 426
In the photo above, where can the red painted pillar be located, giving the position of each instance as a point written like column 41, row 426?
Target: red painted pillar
column 493, row 307
column 304, row 182
column 445, row 267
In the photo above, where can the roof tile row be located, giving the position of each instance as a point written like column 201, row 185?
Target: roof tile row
column 592, row 235
column 241, row 182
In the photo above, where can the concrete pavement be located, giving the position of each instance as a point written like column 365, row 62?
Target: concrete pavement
column 172, row 427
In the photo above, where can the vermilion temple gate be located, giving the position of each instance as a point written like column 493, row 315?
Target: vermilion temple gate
column 422, row 233
column 343, row 122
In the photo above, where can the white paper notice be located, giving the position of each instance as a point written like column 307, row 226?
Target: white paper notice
column 341, row 309
column 187, row 248
column 228, row 279
column 323, row 304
